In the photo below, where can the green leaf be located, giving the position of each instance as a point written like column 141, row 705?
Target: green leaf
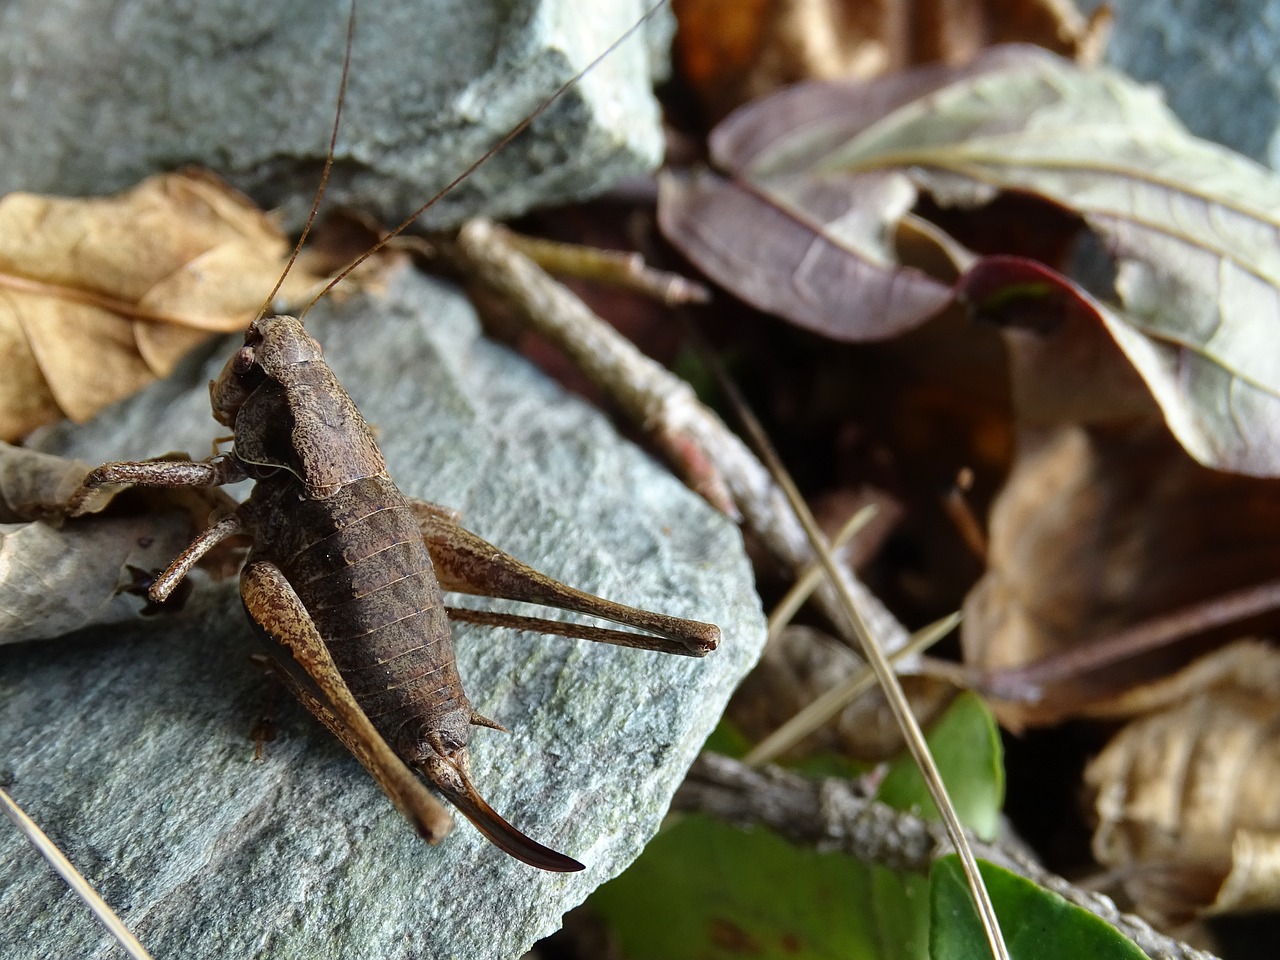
column 966, row 745
column 706, row 890
column 1037, row 924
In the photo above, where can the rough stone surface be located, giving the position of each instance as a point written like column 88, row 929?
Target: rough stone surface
column 96, row 95
column 1216, row 62
column 132, row 746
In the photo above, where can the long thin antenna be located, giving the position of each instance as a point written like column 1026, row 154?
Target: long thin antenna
column 514, row 132
column 328, row 165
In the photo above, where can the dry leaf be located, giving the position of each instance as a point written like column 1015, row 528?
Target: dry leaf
column 1095, row 531
column 103, row 295
column 818, row 179
column 33, row 485
column 734, row 52
column 56, row 576
column 1186, row 795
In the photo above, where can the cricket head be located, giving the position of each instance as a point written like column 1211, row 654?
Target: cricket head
column 271, row 345
column 444, row 760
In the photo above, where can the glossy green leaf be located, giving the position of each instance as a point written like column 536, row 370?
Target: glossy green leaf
column 1037, row 924
column 708, row 891
column 705, row 890
column 966, row 745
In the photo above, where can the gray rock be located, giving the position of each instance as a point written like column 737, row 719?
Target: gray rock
column 94, row 96
column 132, row 746
column 1216, row 62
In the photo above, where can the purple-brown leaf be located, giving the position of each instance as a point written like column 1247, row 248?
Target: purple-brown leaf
column 1193, row 228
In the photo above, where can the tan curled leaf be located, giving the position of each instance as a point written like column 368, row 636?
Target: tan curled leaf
column 100, row 296
column 1185, row 795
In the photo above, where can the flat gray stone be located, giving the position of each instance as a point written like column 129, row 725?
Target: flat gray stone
column 131, row 745
column 1216, row 62
column 94, row 96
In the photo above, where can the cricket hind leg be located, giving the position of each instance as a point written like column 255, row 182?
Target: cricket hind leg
column 275, row 610
column 465, row 563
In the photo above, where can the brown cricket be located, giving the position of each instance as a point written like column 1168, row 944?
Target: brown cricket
column 345, row 572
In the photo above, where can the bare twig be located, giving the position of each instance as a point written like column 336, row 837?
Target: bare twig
column 622, row 268
column 722, row 467
column 1029, row 683
column 833, row 815
column 64, row 868
column 956, row 504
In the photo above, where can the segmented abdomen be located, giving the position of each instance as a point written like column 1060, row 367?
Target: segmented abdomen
column 359, row 566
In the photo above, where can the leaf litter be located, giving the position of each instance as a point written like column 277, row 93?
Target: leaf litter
column 1130, row 273
column 100, row 296
column 827, row 173
column 838, row 196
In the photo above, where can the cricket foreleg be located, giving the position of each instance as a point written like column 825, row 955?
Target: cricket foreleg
column 154, row 473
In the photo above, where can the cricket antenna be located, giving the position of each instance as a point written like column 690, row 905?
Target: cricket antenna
column 514, row 132
column 324, row 175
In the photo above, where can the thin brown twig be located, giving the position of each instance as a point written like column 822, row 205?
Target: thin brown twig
column 960, row 511
column 621, row 268
column 665, row 406
column 834, row 815
column 1029, row 683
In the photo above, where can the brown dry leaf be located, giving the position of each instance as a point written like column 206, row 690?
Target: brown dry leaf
column 56, row 577
column 800, row 666
column 1095, row 531
column 731, row 53
column 1185, row 796
column 33, row 485
column 100, row 296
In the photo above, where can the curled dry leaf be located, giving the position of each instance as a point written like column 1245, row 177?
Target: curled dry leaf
column 56, row 576
column 818, row 179
column 1185, row 796
column 1097, row 530
column 102, row 295
column 734, row 52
